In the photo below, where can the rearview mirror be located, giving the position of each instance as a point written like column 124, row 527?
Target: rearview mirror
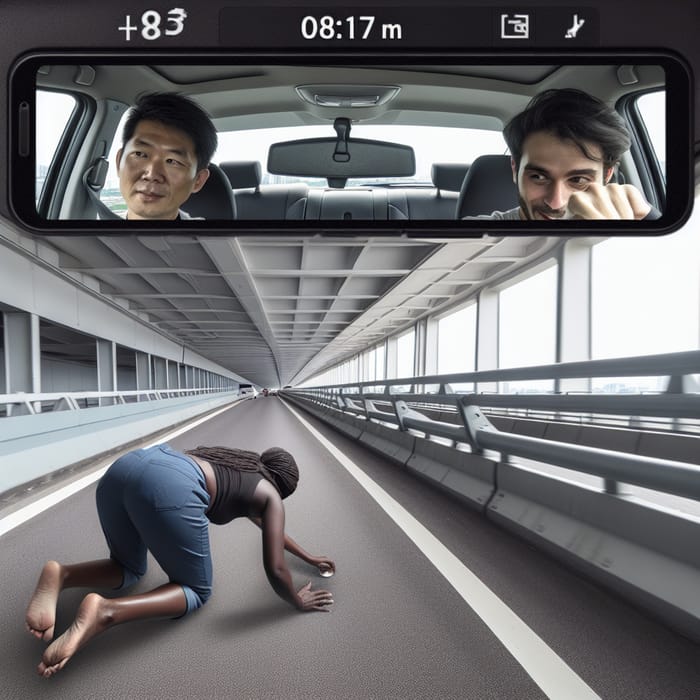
column 322, row 158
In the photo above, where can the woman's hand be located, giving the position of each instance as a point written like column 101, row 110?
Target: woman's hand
column 326, row 566
column 314, row 600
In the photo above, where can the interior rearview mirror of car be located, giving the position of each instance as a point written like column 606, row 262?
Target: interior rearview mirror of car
column 418, row 145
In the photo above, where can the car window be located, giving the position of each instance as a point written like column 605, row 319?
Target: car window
column 651, row 107
column 53, row 110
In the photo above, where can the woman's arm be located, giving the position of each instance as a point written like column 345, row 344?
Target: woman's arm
column 274, row 540
column 325, row 565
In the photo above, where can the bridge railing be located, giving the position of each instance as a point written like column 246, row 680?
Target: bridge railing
column 618, row 500
column 22, row 403
column 677, row 404
column 46, row 434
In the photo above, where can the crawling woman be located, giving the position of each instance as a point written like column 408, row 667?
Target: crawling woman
column 162, row 500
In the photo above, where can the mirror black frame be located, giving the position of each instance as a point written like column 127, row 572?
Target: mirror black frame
column 679, row 181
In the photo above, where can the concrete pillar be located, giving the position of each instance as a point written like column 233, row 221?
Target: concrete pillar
column 574, row 310
column 391, row 357
column 173, row 374
column 419, row 349
column 487, row 337
column 160, row 372
column 431, row 346
column 106, row 368
column 381, row 361
column 22, row 353
column 143, row 371
column 182, row 377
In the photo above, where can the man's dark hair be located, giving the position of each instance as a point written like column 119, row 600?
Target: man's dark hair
column 570, row 115
column 179, row 112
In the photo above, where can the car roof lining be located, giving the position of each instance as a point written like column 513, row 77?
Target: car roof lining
column 241, row 97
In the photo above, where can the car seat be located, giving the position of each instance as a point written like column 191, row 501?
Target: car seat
column 488, row 186
column 215, row 200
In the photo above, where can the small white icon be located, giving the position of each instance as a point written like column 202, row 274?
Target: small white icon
column 572, row 31
column 515, row 26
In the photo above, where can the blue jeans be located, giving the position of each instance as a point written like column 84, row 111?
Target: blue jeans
column 156, row 499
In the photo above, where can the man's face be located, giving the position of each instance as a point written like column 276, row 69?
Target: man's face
column 158, row 171
column 551, row 170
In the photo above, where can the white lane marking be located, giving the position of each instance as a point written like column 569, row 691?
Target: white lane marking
column 39, row 506
column 549, row 671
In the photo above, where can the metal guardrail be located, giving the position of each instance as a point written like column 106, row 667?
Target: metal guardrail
column 474, row 428
column 672, row 365
column 32, row 404
column 667, row 476
column 635, row 531
column 675, row 405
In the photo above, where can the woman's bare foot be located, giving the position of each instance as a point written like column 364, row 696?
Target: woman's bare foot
column 92, row 618
column 41, row 611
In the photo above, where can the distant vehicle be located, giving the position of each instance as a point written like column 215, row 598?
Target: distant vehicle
column 246, row 390
column 265, row 392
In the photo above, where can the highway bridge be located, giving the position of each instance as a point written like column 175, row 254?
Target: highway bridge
column 501, row 529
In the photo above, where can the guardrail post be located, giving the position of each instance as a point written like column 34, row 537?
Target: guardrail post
column 402, row 412
column 475, row 420
column 366, row 403
column 676, row 385
column 612, row 487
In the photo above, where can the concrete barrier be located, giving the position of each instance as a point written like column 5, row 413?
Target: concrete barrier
column 468, row 476
column 346, row 423
column 637, row 548
column 642, row 550
column 684, row 448
column 396, row 445
column 32, row 446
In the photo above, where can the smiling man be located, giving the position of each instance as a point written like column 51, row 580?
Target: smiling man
column 168, row 142
column 564, row 148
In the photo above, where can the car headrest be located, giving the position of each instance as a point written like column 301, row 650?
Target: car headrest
column 487, row 187
column 243, row 173
column 215, row 200
column 449, row 176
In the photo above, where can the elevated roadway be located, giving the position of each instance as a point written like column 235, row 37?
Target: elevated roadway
column 431, row 599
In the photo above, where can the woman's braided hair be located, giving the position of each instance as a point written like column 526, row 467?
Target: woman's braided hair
column 275, row 464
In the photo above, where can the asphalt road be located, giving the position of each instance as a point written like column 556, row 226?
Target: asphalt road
column 398, row 628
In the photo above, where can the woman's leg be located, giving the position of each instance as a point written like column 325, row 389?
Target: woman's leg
column 169, row 513
column 97, row 614
column 165, row 510
column 123, row 568
column 41, row 611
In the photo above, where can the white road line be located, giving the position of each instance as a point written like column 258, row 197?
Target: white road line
column 543, row 665
column 28, row 512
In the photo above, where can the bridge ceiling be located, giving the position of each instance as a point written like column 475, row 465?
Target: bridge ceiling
column 275, row 310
